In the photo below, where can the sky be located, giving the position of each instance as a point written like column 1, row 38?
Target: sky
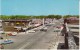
column 39, row 7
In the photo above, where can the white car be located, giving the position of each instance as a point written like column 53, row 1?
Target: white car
column 14, row 33
column 31, row 31
column 1, row 31
column 36, row 29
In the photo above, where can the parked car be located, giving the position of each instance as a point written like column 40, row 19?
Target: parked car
column 12, row 34
column 6, row 41
column 56, row 30
column 48, row 24
column 31, row 31
column 1, row 41
column 1, row 46
column 36, row 29
column 43, row 29
column 1, row 31
column 58, row 27
column 1, row 37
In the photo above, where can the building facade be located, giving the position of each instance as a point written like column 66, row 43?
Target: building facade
column 8, row 25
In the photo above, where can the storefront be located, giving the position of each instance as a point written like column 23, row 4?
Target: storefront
column 9, row 25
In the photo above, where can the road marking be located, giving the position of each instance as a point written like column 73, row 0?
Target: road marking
column 24, row 45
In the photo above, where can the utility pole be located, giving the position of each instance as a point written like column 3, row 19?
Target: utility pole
column 62, row 20
column 43, row 22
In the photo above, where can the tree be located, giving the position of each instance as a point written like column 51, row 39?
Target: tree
column 67, row 16
column 54, row 16
column 30, row 17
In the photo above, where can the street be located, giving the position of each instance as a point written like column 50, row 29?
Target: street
column 39, row 24
column 37, row 40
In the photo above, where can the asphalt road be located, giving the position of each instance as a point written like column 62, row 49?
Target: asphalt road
column 37, row 40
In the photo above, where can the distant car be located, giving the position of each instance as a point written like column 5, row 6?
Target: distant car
column 29, row 28
column 58, row 27
column 48, row 24
column 54, row 26
column 56, row 30
column 1, row 46
column 6, row 41
column 43, row 29
column 36, row 29
column 1, row 41
column 1, row 37
column 31, row 31
column 12, row 34
column 1, row 31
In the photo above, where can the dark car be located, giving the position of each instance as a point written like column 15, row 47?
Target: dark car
column 1, row 37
